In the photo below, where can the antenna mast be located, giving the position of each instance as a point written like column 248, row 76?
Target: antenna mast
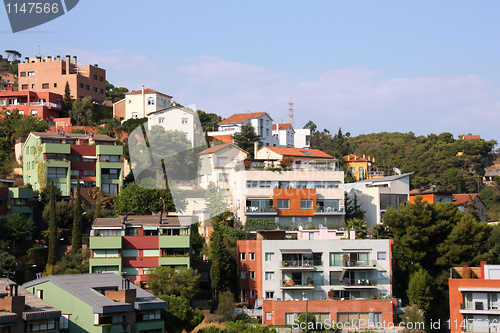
column 290, row 112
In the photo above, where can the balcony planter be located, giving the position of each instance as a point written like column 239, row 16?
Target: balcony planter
column 310, row 282
column 331, row 293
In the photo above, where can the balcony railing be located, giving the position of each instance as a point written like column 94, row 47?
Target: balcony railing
column 289, row 283
column 359, row 263
column 301, row 263
column 358, row 282
column 260, row 209
column 375, row 173
column 329, row 210
column 478, row 306
column 49, row 104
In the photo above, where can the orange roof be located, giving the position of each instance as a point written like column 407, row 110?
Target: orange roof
column 471, row 137
column 299, row 152
column 146, row 91
column 219, row 147
column 352, row 157
column 223, row 138
column 238, row 118
column 281, row 126
column 463, row 199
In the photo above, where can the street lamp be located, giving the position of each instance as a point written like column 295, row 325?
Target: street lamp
column 307, row 309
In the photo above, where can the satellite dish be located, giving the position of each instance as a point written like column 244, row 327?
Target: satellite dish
column 7, row 287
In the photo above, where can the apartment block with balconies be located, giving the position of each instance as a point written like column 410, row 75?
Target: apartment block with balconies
column 279, row 274
column 63, row 158
column 134, row 244
column 474, row 295
column 46, row 105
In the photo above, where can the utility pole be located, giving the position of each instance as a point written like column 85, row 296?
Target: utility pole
column 290, row 112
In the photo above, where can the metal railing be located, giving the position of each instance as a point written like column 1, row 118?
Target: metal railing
column 359, row 263
column 260, row 209
column 301, row 263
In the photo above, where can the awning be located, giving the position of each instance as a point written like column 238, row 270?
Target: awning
column 150, row 227
column 90, row 157
column 296, row 250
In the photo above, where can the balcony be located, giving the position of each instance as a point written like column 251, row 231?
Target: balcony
column 255, row 210
column 105, row 242
column 329, row 210
column 359, row 283
column 304, row 264
column 48, row 104
column 300, row 284
column 479, row 308
column 362, row 264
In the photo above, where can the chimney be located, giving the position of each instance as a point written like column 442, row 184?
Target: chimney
column 96, row 65
column 58, row 58
column 143, row 102
column 50, row 58
column 160, row 218
column 373, row 160
column 13, row 303
column 255, row 148
column 483, row 263
column 67, row 63
column 364, row 156
column 26, row 60
column 74, row 60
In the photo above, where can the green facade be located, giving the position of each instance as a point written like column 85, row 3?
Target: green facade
column 35, row 166
column 81, row 314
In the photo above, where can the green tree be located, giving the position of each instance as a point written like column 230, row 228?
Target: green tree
column 64, row 214
column 352, row 207
column 226, row 305
column 76, row 238
column 359, row 226
column 216, row 202
column 208, row 121
column 221, row 270
column 113, row 93
column 179, row 316
column 197, row 242
column 51, row 261
column 306, row 320
column 67, row 102
column 164, row 280
column 421, row 290
column 7, row 262
column 246, row 138
column 18, row 228
column 412, row 314
column 81, row 113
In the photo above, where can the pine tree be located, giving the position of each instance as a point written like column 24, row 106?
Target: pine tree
column 246, row 138
column 67, row 103
column 52, row 230
column 76, row 239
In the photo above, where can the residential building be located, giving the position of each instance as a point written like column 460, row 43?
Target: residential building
column 376, row 195
column 22, row 311
column 464, row 201
column 363, row 167
column 133, row 244
column 302, row 138
column 8, row 81
column 174, row 118
column 100, row 303
column 42, row 74
column 339, row 278
column 471, row 137
column 15, row 200
column 284, row 133
column 474, row 294
column 309, row 191
column 46, row 105
column 217, row 164
column 491, row 172
column 261, row 122
column 95, row 159
column 139, row 103
column 430, row 195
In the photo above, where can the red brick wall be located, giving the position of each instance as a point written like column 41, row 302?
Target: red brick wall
column 250, row 246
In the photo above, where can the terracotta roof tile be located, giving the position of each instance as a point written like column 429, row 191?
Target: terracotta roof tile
column 352, row 158
column 223, row 138
column 281, row 126
column 463, row 199
column 238, row 118
column 146, row 91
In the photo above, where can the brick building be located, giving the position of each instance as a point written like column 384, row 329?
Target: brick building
column 51, row 74
column 46, row 104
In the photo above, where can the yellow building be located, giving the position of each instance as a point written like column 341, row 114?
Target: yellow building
column 362, row 167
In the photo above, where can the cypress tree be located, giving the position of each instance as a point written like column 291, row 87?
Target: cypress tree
column 76, row 236
column 67, row 103
column 52, row 229
column 221, row 261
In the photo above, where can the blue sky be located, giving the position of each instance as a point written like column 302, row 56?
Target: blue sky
column 365, row 66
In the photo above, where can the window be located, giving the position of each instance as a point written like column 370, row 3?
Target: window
column 24, row 87
column 223, row 177
column 81, row 85
column 283, row 203
column 134, row 114
column 269, row 256
column 251, row 255
column 95, row 77
column 75, row 173
column 64, row 321
column 31, row 73
column 58, row 157
column 269, row 294
column 251, row 275
column 269, row 275
column 101, row 91
column 129, row 101
column 110, row 158
column 492, row 301
column 45, row 86
column 95, row 89
column 150, row 315
column 110, row 189
column 33, row 86
column 56, row 172
column 161, row 120
column 306, row 204
column 39, row 293
column 335, row 259
column 106, row 253
column 242, row 256
column 221, row 162
column 184, row 121
column 151, row 101
column 381, row 255
column 41, row 325
column 110, row 173
column 21, row 112
column 243, row 275
column 253, row 294
column 73, row 158
column 252, row 184
column 265, row 184
column 101, row 79
column 87, row 87
column 23, row 74
column 55, row 85
column 268, row 314
column 89, row 173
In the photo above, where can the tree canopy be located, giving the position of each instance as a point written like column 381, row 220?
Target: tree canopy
column 184, row 282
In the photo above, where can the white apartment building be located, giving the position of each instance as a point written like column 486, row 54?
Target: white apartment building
column 284, row 133
column 377, row 194
column 137, row 104
column 302, row 138
column 261, row 122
